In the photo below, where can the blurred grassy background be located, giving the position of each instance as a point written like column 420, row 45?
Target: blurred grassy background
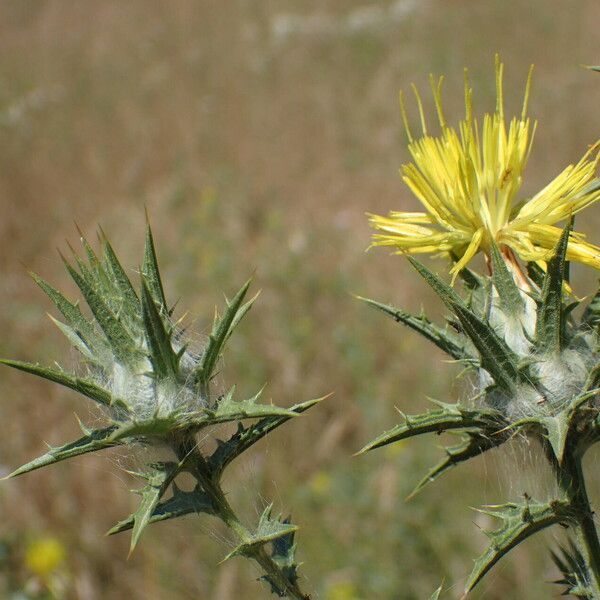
column 258, row 133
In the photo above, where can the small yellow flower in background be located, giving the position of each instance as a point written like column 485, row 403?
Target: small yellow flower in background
column 44, row 556
column 468, row 182
column 344, row 590
column 320, row 483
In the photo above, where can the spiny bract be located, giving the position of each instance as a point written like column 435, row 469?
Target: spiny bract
column 138, row 363
column 537, row 369
column 155, row 389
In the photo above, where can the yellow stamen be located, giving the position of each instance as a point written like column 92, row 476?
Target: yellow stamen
column 437, row 96
column 421, row 111
column 527, row 91
column 499, row 90
column 404, row 117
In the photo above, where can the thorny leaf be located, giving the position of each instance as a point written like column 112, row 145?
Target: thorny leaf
column 441, row 338
column 268, row 530
column 519, row 521
column 120, row 340
column 221, row 331
column 245, row 437
column 96, row 346
column 228, row 409
column 474, row 443
column 436, row 594
column 511, row 301
column 158, row 481
column 83, row 386
column 445, row 418
column 157, row 426
column 165, row 360
column 557, row 428
column 179, row 504
column 95, row 440
column 496, row 357
column 151, row 272
column 120, row 280
column 550, row 316
column 576, row 576
column 283, row 553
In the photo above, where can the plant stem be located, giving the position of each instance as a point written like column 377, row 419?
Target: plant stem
column 187, row 450
column 572, row 482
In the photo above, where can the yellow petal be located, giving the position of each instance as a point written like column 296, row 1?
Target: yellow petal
column 470, row 252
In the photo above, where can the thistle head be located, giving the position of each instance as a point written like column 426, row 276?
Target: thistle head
column 537, row 371
column 536, row 364
column 137, row 360
column 468, row 179
column 158, row 390
column 132, row 347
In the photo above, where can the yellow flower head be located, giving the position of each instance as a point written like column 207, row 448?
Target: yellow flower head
column 468, row 181
column 44, row 556
column 342, row 590
column 320, row 483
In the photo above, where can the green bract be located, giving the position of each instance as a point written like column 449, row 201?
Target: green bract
column 156, row 389
column 537, row 369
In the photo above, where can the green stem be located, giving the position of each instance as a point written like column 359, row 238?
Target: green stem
column 199, row 468
column 572, row 482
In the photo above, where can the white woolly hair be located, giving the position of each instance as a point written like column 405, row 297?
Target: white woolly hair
column 560, row 378
column 516, row 331
column 144, row 394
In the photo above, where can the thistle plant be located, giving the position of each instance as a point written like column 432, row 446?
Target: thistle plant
column 158, row 392
column 535, row 365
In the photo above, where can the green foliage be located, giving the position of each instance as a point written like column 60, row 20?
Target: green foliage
column 83, row 386
column 442, row 338
column 151, row 273
column 245, row 437
column 550, row 314
column 97, row 439
column 519, row 521
column 436, row 594
column 222, row 329
column 474, row 443
column 536, row 374
column 445, row 418
column 158, row 481
column 165, row 361
column 511, row 301
column 92, row 284
column 269, row 530
column 154, row 390
column 78, row 329
column 283, row 553
column 494, row 355
column 576, row 577
column 178, row 505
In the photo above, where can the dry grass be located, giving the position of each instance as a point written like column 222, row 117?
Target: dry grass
column 257, row 134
